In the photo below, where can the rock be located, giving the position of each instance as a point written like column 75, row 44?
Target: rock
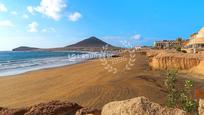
column 6, row 111
column 50, row 108
column 201, row 107
column 88, row 111
column 54, row 108
column 138, row 106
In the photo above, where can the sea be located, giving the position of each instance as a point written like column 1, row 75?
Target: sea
column 12, row 63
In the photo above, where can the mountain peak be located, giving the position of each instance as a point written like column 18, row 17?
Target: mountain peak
column 90, row 42
column 93, row 37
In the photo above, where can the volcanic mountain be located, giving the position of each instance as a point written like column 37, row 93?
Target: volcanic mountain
column 89, row 44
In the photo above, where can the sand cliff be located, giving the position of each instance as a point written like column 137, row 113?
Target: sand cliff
column 199, row 69
column 164, row 60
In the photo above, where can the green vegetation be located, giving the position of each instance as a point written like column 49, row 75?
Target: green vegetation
column 179, row 39
column 180, row 98
column 178, row 48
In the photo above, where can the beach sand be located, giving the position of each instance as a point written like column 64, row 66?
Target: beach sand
column 87, row 83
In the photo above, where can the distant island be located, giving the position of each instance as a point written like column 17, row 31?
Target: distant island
column 89, row 44
column 25, row 48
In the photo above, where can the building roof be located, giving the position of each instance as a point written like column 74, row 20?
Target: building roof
column 201, row 31
column 197, row 41
column 197, row 38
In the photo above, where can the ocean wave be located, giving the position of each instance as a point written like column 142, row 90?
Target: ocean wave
column 13, row 67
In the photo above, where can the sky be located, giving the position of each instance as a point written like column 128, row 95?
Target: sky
column 57, row 23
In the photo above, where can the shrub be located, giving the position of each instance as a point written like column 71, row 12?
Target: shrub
column 186, row 99
column 170, row 84
column 178, row 48
column 180, row 98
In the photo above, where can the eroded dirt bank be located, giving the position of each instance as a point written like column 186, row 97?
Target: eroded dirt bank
column 164, row 60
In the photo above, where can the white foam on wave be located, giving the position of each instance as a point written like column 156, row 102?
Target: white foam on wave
column 22, row 66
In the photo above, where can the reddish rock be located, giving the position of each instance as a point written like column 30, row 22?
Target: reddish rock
column 5, row 111
column 54, row 108
column 51, row 108
column 199, row 93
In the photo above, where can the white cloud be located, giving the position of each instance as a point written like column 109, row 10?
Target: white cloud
column 3, row 8
column 14, row 13
column 30, row 9
column 25, row 16
column 51, row 8
column 75, row 16
column 33, row 27
column 137, row 37
column 6, row 23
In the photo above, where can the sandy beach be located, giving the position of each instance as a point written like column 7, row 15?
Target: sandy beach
column 88, row 84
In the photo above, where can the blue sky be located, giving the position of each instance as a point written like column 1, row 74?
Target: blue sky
column 55, row 23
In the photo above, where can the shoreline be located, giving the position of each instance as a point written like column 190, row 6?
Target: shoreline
column 10, row 69
column 48, row 68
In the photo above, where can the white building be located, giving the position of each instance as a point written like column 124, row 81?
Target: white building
column 196, row 42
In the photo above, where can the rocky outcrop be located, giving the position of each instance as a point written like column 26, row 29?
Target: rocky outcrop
column 138, row 106
column 51, row 108
column 135, row 106
column 54, row 108
column 6, row 111
column 201, row 107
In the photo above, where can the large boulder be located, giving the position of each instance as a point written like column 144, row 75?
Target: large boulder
column 138, row 106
